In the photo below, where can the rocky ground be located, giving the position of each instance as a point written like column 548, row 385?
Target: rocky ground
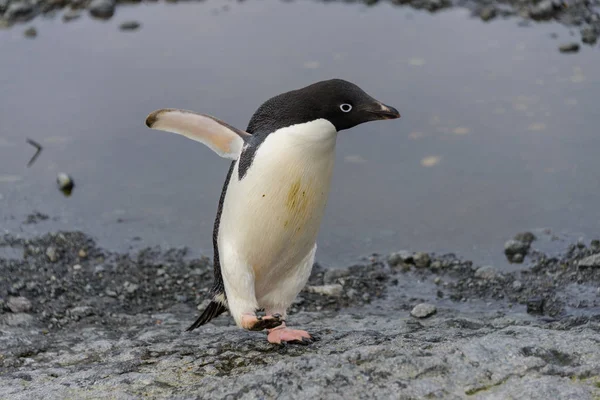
column 78, row 321
column 580, row 14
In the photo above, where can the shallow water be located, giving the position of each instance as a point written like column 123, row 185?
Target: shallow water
column 499, row 131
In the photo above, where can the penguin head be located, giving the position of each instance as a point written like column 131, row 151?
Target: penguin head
column 340, row 102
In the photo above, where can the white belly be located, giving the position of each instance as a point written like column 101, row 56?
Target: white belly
column 271, row 217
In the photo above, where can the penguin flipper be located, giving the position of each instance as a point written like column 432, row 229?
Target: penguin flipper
column 214, row 309
column 220, row 137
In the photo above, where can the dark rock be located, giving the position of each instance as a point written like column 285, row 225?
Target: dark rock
column 399, row 257
column 487, row 13
column 591, row 261
column 30, row 32
column 486, row 272
column 71, row 15
column 543, row 10
column 102, row 9
column 19, row 11
column 525, row 237
column 569, row 48
column 421, row 260
column 129, row 26
column 423, row 310
column 65, row 183
column 589, row 35
column 535, row 305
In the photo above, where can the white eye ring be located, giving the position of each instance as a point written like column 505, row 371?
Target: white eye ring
column 346, row 107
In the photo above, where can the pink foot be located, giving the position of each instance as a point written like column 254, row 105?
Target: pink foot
column 282, row 335
column 258, row 323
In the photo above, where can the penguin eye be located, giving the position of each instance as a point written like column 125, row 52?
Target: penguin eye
column 346, row 107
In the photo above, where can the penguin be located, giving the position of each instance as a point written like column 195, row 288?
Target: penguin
column 273, row 198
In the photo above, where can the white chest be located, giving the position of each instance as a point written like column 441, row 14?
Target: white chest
column 272, row 216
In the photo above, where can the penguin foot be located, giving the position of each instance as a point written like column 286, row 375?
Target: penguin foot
column 258, row 323
column 283, row 335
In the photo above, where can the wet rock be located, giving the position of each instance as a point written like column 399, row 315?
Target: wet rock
column 102, row 9
column 19, row 11
column 19, row 304
column 543, row 10
column 52, row 254
column 589, row 35
column 517, row 286
column 30, row 33
column 535, row 306
column 129, row 26
column 487, row 13
column 334, row 290
column 421, row 260
column 525, row 237
column 71, row 15
column 569, row 48
column 65, row 183
column 400, row 257
column 595, row 245
column 423, row 310
column 486, row 272
column 591, row 261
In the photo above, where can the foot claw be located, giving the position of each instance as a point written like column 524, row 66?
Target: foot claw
column 286, row 335
column 259, row 323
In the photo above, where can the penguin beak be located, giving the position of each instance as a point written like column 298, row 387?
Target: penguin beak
column 383, row 111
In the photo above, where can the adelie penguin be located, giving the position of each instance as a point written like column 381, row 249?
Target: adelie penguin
column 273, row 199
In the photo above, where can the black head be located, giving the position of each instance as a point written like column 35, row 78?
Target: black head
column 340, row 102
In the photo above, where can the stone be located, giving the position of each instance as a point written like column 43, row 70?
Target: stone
column 65, row 182
column 399, row 257
column 19, row 304
column 332, row 275
column 77, row 267
column 591, row 261
column 525, row 237
column 421, row 260
column 543, row 10
column 129, row 26
column 487, row 13
column 423, row 310
column 513, row 246
column 82, row 254
column 81, row 311
column 30, row 33
column 535, row 305
column 52, row 254
column 102, row 9
column 19, row 11
column 517, row 286
column 486, row 272
column 569, row 48
column 71, row 15
column 334, row 290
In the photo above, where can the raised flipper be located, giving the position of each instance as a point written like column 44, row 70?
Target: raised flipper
column 220, row 137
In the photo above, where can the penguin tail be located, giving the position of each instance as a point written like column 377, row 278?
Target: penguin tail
column 214, row 309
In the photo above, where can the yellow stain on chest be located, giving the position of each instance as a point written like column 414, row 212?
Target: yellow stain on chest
column 299, row 203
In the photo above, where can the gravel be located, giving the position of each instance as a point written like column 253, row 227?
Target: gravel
column 119, row 331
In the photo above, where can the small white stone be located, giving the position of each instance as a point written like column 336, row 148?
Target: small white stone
column 423, row 310
column 334, row 290
column 76, row 267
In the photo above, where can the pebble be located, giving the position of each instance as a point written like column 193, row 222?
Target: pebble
column 591, row 261
column 160, row 272
column 81, row 311
column 129, row 26
column 518, row 258
column 20, row 319
column 486, row 272
column 82, row 254
column 423, row 310
column 65, row 182
column 18, row 11
column 71, row 15
column 513, row 246
column 334, row 290
column 421, row 260
column 569, row 48
column 19, row 304
column 52, row 254
column 525, row 237
column 437, row 280
column 399, row 257
column 76, row 267
column 103, row 9
column 487, row 13
column 131, row 287
column 333, row 275
column 30, row 32
column 517, row 286
column 110, row 292
column 535, row 305
column 542, row 10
